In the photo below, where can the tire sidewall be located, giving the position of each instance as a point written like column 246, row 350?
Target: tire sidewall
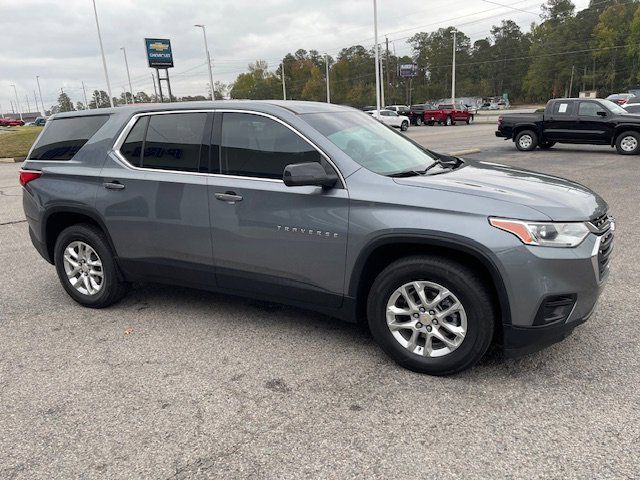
column 449, row 122
column 534, row 140
column 404, row 126
column 619, row 149
column 90, row 237
column 479, row 318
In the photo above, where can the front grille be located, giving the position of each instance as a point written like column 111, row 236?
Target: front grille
column 601, row 223
column 604, row 252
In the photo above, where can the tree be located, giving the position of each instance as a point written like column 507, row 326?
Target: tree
column 80, row 106
column 220, row 90
column 64, row 103
column 142, row 97
column 99, row 99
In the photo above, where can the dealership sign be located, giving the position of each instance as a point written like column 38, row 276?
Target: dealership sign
column 159, row 53
column 409, row 70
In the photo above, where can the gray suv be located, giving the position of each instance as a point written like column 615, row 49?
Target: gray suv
column 322, row 207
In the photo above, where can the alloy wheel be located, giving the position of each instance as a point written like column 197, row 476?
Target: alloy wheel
column 525, row 141
column 83, row 267
column 426, row 318
column 629, row 143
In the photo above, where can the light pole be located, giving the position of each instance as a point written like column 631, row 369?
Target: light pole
column 84, row 92
column 104, row 60
column 40, row 93
column 326, row 67
column 453, row 70
column 382, row 101
column 206, row 47
column 126, row 64
column 155, row 90
column 377, row 58
column 284, row 87
column 17, row 101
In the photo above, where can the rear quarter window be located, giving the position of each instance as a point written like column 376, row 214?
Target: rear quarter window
column 64, row 137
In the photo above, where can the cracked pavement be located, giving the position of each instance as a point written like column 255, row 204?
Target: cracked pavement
column 178, row 383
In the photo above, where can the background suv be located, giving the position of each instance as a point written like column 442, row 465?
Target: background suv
column 322, row 207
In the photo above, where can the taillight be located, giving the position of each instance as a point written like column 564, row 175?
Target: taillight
column 27, row 175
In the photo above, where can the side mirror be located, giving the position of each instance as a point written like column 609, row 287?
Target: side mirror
column 311, row 173
column 602, row 113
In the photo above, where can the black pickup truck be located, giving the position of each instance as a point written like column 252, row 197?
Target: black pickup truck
column 573, row 120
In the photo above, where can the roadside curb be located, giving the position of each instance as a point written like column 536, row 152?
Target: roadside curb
column 469, row 151
column 12, row 160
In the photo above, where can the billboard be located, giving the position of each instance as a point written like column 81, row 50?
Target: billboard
column 409, row 70
column 159, row 53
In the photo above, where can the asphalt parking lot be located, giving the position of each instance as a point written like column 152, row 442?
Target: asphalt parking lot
column 177, row 383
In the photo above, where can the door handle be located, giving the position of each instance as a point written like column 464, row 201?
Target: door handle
column 229, row 197
column 115, row 185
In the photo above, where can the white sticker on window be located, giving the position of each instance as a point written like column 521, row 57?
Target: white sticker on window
column 563, row 108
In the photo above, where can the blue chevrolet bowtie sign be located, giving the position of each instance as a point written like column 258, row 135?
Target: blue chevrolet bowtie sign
column 159, row 53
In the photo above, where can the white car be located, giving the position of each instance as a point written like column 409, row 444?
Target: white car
column 391, row 118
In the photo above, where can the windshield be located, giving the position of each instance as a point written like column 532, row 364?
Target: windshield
column 613, row 107
column 370, row 143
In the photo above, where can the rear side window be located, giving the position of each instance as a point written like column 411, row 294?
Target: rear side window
column 63, row 137
column 257, row 146
column 563, row 108
column 166, row 142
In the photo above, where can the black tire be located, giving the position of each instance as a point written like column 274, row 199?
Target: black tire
column 470, row 120
column 404, row 126
column 461, row 281
column 546, row 145
column 113, row 288
column 526, row 140
column 626, row 140
column 449, row 122
column 419, row 121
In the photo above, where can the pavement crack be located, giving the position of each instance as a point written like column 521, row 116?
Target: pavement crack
column 14, row 222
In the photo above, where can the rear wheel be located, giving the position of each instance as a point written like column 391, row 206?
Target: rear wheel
column 86, row 267
column 419, row 121
column 470, row 120
column 449, row 122
column 431, row 315
column 628, row 143
column 526, row 141
column 404, row 126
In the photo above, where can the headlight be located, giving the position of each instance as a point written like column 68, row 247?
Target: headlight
column 544, row 234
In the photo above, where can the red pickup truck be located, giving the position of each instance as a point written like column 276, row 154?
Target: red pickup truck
column 9, row 122
column 448, row 114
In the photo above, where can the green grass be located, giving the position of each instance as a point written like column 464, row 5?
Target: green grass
column 16, row 141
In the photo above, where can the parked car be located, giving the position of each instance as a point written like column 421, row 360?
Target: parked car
column 490, row 106
column 38, row 122
column 10, row 122
column 391, row 118
column 620, row 98
column 448, row 114
column 585, row 121
column 322, row 207
column 632, row 108
column 399, row 109
column 416, row 113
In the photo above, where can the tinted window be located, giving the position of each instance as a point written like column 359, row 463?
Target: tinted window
column 63, row 137
column 563, row 108
column 132, row 147
column 257, row 146
column 589, row 109
column 173, row 141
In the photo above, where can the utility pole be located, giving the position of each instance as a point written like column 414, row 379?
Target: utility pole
column 40, row 92
column 124, row 94
column 382, row 102
column 35, row 97
column 593, row 75
column 387, row 62
column 453, row 70
column 584, row 79
column 284, row 87
column 206, row 47
column 84, row 92
column 326, row 68
column 17, row 101
column 11, row 103
column 104, row 60
column 573, row 67
column 377, row 56
column 155, row 91
column 126, row 64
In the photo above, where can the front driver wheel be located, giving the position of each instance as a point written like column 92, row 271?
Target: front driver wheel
column 431, row 315
column 86, row 267
column 628, row 143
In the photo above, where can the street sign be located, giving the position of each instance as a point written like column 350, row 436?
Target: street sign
column 409, row 70
column 159, row 53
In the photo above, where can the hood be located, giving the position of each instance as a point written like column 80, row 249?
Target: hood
column 554, row 197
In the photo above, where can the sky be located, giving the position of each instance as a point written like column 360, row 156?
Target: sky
column 57, row 40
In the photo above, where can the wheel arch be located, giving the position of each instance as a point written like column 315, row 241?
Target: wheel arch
column 57, row 218
column 525, row 126
column 385, row 249
column 620, row 129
